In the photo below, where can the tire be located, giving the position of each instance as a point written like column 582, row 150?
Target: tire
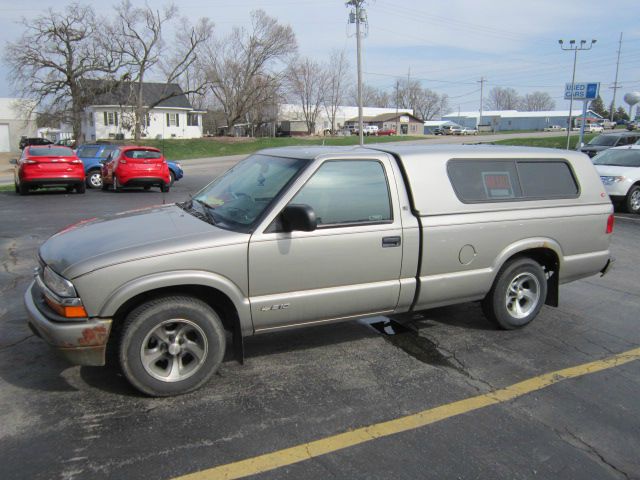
column 147, row 187
column 23, row 189
column 115, row 186
column 632, row 201
column 161, row 334
column 69, row 188
column 105, row 187
column 16, row 187
column 94, row 179
column 172, row 178
column 164, row 188
column 81, row 187
column 517, row 295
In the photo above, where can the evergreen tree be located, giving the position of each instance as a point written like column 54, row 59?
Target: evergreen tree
column 620, row 115
column 597, row 106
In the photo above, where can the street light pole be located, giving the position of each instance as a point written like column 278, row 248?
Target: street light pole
column 574, row 46
column 357, row 18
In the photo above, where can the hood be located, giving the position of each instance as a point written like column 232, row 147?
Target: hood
column 618, row 171
column 97, row 243
column 594, row 148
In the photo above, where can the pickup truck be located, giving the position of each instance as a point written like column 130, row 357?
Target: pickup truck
column 293, row 237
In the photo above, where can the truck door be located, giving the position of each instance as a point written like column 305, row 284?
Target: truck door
column 349, row 266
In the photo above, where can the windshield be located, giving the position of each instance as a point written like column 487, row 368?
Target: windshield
column 604, row 140
column 239, row 197
column 622, row 158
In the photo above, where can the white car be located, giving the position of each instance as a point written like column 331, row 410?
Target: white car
column 468, row 131
column 619, row 170
column 593, row 128
column 555, row 128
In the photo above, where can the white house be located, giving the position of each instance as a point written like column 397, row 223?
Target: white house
column 111, row 114
column 15, row 121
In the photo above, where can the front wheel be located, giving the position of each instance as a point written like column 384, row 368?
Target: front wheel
column 517, row 295
column 171, row 345
column 632, row 201
column 94, row 179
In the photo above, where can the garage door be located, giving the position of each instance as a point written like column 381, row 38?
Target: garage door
column 5, row 145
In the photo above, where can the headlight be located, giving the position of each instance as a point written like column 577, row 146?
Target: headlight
column 608, row 180
column 58, row 285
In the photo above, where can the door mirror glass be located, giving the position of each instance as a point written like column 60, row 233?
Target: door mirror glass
column 298, row 217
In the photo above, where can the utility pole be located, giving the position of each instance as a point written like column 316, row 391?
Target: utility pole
column 481, row 82
column 615, row 82
column 358, row 16
column 573, row 46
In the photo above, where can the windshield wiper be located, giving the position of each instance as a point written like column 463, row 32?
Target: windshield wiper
column 205, row 209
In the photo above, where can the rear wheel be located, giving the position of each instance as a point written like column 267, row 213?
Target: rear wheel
column 171, row 345
column 23, row 189
column 115, row 185
column 632, row 202
column 164, row 187
column 94, row 179
column 517, row 295
column 81, row 187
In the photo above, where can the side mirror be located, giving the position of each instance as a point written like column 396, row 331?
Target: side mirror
column 13, row 161
column 299, row 217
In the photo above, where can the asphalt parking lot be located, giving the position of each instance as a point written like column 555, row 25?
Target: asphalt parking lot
column 66, row 422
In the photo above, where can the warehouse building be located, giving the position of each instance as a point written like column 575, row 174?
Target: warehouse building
column 16, row 120
column 501, row 120
column 404, row 123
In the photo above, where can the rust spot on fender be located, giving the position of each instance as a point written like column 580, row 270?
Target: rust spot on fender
column 94, row 336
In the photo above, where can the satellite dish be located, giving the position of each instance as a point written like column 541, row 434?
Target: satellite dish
column 632, row 98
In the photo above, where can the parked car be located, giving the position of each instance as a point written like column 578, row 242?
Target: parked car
column 605, row 141
column 294, row 237
column 593, row 128
column 134, row 166
column 386, row 131
column 451, row 129
column 555, row 128
column 619, row 170
column 468, row 131
column 25, row 141
column 42, row 166
column 67, row 142
column 92, row 154
column 437, row 131
column 632, row 125
column 370, row 129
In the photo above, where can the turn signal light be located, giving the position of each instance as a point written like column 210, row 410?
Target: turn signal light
column 610, row 222
column 66, row 311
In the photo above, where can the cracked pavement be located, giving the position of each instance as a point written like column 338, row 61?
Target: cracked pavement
column 65, row 422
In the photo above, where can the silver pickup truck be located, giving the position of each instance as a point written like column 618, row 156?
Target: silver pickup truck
column 292, row 237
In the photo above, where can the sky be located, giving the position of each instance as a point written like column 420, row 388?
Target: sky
column 447, row 45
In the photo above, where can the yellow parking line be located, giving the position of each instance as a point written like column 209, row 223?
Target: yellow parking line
column 316, row 448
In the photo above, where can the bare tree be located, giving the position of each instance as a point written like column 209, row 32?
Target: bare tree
column 503, row 99
column 536, row 102
column 336, row 77
column 307, row 82
column 371, row 97
column 240, row 68
column 52, row 58
column 138, row 36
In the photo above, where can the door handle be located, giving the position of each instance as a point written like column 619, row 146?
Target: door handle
column 390, row 242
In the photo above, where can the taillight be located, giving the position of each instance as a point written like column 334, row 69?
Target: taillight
column 76, row 161
column 610, row 222
column 30, row 162
column 122, row 161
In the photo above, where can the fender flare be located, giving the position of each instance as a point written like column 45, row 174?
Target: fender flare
column 175, row 278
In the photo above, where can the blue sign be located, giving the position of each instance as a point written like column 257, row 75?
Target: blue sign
column 581, row 91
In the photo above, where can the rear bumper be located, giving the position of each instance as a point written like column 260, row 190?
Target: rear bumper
column 142, row 181
column 82, row 342
column 52, row 182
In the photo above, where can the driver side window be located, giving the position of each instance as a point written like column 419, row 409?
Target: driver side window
column 348, row 192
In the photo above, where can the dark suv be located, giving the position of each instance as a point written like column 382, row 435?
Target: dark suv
column 609, row 140
column 25, row 141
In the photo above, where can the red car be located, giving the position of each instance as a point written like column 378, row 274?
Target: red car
column 135, row 167
column 386, row 131
column 48, row 166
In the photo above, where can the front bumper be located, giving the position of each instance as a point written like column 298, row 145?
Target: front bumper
column 82, row 342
